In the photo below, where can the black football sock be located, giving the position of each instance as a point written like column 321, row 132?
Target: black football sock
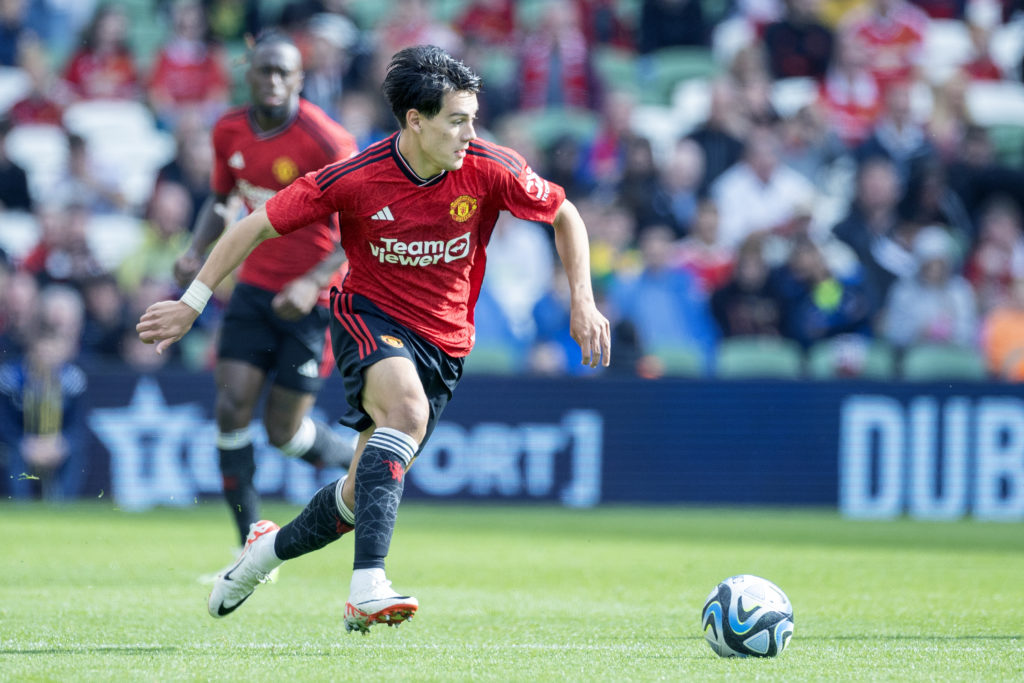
column 237, row 468
column 329, row 449
column 322, row 521
column 380, row 480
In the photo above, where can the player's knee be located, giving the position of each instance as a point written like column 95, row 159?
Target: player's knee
column 232, row 412
column 409, row 415
column 279, row 434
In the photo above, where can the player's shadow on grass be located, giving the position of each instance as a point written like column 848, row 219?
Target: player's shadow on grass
column 84, row 650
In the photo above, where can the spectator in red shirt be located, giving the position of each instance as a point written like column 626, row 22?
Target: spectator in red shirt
column 893, row 33
column 104, row 67
column 190, row 70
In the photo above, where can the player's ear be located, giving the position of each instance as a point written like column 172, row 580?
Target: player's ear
column 412, row 120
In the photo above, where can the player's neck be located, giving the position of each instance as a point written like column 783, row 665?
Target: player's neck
column 267, row 120
column 414, row 158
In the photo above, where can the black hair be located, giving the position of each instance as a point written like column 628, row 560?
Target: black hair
column 271, row 37
column 419, row 77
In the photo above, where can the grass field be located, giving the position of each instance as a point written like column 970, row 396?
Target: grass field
column 88, row 592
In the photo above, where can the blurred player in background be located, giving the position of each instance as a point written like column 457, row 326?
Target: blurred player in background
column 274, row 328
column 417, row 210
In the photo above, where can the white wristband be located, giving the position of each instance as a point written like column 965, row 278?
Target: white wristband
column 196, row 296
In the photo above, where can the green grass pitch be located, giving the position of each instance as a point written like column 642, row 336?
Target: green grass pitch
column 89, row 592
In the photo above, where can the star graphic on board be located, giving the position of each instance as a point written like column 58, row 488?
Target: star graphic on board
column 149, row 437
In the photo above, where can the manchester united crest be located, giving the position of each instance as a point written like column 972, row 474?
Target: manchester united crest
column 463, row 208
column 392, row 341
column 285, row 170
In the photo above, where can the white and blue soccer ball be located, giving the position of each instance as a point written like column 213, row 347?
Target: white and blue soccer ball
column 747, row 616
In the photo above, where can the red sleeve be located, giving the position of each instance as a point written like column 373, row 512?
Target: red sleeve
column 300, row 204
column 528, row 196
column 221, row 180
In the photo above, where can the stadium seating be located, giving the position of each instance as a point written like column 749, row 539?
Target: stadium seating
column 759, row 357
column 14, row 84
column 40, row 149
column 941, row 362
column 19, row 234
column 680, row 361
column 112, row 237
column 843, row 357
column 549, row 124
column 492, row 359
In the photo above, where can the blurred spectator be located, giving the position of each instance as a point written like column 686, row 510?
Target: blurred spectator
column 930, row 199
column 231, row 20
column 519, row 262
column 982, row 18
column 192, row 162
column 746, row 305
column 700, row 252
column 605, row 23
column 88, row 180
column 104, row 66
column 759, row 194
column 492, row 22
column 62, row 254
column 636, row 189
column 412, row 22
column 189, row 71
column 41, row 417
column 721, row 136
column 106, row 319
column 850, row 98
column 665, row 304
column 947, row 126
column 362, row 115
column 807, row 145
column 554, row 63
column 327, row 62
column 62, row 312
column 873, row 230
column 605, row 156
column 798, row 45
column 44, row 101
column 893, row 33
column 165, row 235
column 818, row 303
column 19, row 313
column 997, row 261
column 669, row 23
column 749, row 69
column 897, row 136
column 675, row 197
column 612, row 229
column 13, row 30
column 935, row 304
column 1002, row 336
column 564, row 165
column 14, row 194
column 977, row 176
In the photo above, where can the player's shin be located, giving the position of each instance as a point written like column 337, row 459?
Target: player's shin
column 324, row 520
column 380, row 480
column 238, row 467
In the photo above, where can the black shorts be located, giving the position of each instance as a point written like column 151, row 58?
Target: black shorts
column 362, row 334
column 291, row 350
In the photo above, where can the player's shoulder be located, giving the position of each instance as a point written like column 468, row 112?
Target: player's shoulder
column 376, row 158
column 495, row 158
column 233, row 119
column 325, row 130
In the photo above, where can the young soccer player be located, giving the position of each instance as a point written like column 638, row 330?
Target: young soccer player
column 275, row 325
column 417, row 210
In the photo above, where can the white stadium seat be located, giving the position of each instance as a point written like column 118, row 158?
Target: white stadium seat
column 14, row 84
column 19, row 234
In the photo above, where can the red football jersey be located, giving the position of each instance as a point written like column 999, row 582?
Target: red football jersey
column 260, row 163
column 894, row 42
column 416, row 247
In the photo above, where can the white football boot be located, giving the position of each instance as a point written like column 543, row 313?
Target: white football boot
column 373, row 602
column 254, row 565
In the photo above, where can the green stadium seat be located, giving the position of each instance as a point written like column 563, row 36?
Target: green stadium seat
column 547, row 125
column 759, row 357
column 942, row 362
column 845, row 357
column 680, row 361
column 667, row 67
column 491, row 360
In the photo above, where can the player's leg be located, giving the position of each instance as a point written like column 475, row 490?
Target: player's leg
column 394, row 397
column 238, row 389
column 300, row 371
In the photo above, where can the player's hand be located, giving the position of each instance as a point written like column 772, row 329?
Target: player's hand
column 297, row 298
column 592, row 332
column 186, row 267
column 165, row 322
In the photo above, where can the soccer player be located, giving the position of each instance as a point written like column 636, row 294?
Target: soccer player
column 274, row 328
column 417, row 210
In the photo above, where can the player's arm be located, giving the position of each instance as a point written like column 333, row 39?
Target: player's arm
column 588, row 327
column 213, row 216
column 165, row 322
column 299, row 296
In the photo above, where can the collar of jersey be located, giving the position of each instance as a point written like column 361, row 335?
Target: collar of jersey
column 407, row 169
column 250, row 114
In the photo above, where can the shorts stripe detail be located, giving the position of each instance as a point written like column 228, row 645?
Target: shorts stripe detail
column 355, row 325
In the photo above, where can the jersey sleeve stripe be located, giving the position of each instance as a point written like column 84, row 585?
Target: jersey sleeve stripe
column 329, row 178
column 369, row 151
column 479, row 153
column 497, row 151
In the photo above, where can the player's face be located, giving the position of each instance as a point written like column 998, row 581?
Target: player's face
column 445, row 137
column 275, row 78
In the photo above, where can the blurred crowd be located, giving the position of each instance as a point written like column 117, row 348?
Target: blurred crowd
column 801, row 170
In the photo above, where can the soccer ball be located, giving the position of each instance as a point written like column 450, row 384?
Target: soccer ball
column 745, row 616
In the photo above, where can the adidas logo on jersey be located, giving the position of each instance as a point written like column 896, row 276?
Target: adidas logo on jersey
column 383, row 215
column 309, row 369
column 236, row 160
